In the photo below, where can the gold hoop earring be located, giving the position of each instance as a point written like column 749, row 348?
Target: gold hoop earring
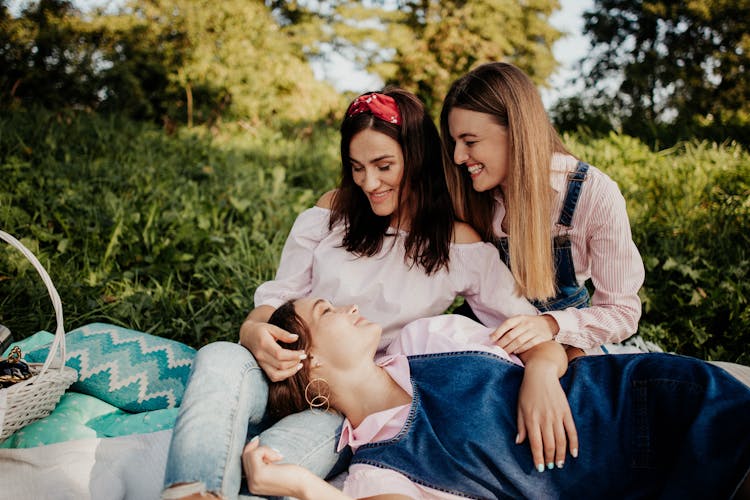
column 321, row 400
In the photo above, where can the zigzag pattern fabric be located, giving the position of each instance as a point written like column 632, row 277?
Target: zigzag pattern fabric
column 132, row 370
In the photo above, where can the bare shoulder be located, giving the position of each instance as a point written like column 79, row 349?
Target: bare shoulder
column 464, row 233
column 326, row 200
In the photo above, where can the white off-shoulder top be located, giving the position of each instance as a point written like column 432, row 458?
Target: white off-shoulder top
column 386, row 288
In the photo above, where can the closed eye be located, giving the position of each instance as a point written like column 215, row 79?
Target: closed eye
column 322, row 307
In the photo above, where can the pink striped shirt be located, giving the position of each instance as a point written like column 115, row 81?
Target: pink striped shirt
column 603, row 251
column 445, row 333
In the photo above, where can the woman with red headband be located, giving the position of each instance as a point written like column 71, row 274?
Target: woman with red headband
column 386, row 239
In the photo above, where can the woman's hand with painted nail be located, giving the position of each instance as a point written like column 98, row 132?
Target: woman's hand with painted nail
column 520, row 333
column 262, row 340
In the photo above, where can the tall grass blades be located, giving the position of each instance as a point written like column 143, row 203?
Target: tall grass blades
column 165, row 234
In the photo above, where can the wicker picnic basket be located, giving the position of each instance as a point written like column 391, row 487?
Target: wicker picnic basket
column 36, row 397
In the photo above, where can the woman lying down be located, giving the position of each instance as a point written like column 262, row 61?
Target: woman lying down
column 426, row 423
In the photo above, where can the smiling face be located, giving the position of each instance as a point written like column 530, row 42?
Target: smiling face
column 339, row 335
column 481, row 147
column 377, row 164
column 337, row 340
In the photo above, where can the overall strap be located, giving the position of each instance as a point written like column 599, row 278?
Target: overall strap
column 575, row 183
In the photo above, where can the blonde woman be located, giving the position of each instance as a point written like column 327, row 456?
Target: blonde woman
column 557, row 221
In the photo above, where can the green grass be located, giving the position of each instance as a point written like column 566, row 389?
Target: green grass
column 165, row 234
column 172, row 234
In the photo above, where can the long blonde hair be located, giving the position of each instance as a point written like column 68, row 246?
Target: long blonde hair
column 508, row 94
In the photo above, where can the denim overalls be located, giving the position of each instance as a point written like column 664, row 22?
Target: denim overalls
column 649, row 425
column 569, row 292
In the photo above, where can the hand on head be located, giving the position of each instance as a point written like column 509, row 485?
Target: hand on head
column 276, row 361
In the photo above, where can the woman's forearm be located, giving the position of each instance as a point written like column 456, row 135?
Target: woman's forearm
column 548, row 355
column 266, row 476
column 260, row 314
column 293, row 481
column 313, row 488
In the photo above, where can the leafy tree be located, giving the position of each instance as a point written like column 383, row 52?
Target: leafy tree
column 437, row 41
column 423, row 45
column 237, row 60
column 677, row 62
column 171, row 60
column 138, row 59
column 47, row 55
column 578, row 114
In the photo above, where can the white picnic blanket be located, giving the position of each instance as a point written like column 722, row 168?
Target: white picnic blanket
column 122, row 468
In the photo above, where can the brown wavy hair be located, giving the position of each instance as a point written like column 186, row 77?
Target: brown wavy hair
column 288, row 396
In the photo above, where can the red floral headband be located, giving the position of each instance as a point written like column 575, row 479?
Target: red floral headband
column 380, row 105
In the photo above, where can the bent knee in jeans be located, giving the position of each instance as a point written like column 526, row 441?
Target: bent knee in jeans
column 309, row 439
column 224, row 358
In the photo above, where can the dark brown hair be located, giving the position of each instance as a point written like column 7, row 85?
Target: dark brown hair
column 423, row 190
column 288, row 396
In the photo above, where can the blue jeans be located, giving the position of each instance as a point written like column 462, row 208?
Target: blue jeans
column 224, row 406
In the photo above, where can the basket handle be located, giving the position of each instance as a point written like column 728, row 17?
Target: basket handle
column 58, row 344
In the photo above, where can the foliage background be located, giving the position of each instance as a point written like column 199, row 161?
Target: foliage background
column 154, row 158
column 665, row 71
